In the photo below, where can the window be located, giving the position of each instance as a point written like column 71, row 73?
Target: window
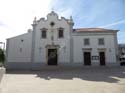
column 86, row 41
column 52, row 24
column 20, row 49
column 43, row 33
column 22, row 40
column 101, row 41
column 61, row 33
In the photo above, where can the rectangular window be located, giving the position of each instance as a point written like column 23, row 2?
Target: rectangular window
column 86, row 41
column 61, row 33
column 101, row 41
column 43, row 34
column 20, row 49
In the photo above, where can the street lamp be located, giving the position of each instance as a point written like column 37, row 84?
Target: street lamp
column 3, row 45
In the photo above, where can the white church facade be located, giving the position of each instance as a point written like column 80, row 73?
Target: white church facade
column 54, row 42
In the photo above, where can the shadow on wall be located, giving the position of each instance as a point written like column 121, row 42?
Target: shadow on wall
column 98, row 74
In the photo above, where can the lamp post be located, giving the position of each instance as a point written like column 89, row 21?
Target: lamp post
column 3, row 45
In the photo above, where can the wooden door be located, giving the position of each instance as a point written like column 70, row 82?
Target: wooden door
column 87, row 58
column 52, row 56
column 102, row 58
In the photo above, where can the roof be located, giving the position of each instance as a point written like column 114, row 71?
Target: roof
column 93, row 30
column 19, row 35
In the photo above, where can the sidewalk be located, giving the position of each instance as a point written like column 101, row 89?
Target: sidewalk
column 75, row 80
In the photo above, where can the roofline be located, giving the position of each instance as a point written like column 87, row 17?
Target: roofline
column 103, row 30
column 17, row 36
column 93, row 28
column 113, row 31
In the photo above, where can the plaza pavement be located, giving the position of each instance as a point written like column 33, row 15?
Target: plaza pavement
column 65, row 80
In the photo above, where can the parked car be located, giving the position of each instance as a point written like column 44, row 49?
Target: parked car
column 122, row 61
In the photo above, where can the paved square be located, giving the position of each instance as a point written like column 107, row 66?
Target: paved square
column 63, row 80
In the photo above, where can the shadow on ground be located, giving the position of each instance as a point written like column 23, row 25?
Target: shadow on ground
column 98, row 74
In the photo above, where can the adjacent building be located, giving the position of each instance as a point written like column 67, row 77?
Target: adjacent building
column 54, row 41
column 121, row 48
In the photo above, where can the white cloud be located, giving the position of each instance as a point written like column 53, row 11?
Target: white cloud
column 66, row 12
column 4, row 33
column 113, row 24
column 18, row 15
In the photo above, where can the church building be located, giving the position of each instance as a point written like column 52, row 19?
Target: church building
column 54, row 42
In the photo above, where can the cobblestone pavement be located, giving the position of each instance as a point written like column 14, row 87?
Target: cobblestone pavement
column 63, row 80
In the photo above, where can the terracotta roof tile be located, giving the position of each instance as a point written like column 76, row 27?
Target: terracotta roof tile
column 92, row 29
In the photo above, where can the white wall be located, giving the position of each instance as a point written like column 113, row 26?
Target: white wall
column 40, row 53
column 14, row 45
column 79, row 45
column 64, row 43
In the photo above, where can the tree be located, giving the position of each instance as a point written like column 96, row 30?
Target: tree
column 2, row 56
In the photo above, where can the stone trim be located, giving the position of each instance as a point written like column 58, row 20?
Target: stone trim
column 116, row 47
column 7, row 49
column 33, row 43
column 101, row 49
column 87, row 49
column 52, row 46
column 90, row 34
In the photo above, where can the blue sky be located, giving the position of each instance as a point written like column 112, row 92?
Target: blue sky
column 17, row 16
column 96, row 13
